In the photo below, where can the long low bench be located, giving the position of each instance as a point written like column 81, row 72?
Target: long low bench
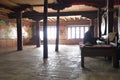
column 99, row 50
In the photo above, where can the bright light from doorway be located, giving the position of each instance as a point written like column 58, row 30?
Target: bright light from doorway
column 51, row 33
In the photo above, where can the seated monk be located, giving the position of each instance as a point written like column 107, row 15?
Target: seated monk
column 89, row 38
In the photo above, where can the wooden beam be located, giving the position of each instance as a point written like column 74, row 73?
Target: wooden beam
column 65, row 19
column 50, row 19
column 6, row 7
column 88, row 14
column 53, row 20
column 21, row 7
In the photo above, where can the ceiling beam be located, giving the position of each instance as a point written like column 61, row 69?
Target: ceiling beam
column 19, row 8
column 22, row 8
column 6, row 7
column 88, row 14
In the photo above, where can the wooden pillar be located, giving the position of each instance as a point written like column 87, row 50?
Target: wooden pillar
column 99, row 22
column 45, row 43
column 110, row 9
column 19, row 31
column 37, row 34
column 92, row 25
column 110, row 17
column 92, row 22
column 57, row 31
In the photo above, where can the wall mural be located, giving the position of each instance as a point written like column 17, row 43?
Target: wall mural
column 8, row 30
column 2, row 28
column 62, row 32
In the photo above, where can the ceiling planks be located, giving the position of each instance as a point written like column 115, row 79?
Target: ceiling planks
column 34, row 8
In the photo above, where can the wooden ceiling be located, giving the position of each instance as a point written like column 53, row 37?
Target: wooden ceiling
column 28, row 7
column 76, row 18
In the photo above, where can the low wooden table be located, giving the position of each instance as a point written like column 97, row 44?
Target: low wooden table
column 99, row 50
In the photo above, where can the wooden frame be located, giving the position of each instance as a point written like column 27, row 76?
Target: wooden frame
column 99, row 50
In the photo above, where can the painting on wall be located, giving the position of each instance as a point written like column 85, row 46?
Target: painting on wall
column 11, row 30
column 62, row 32
column 2, row 29
column 8, row 30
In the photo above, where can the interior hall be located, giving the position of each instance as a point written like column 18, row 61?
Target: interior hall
column 44, row 40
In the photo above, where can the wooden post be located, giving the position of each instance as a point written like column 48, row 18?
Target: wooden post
column 37, row 34
column 45, row 43
column 57, row 33
column 19, row 31
column 110, row 18
column 99, row 23
column 110, row 11
column 92, row 22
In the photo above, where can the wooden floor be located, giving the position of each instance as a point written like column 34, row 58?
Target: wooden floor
column 29, row 64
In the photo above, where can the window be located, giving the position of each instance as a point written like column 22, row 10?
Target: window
column 73, row 32
column 69, row 33
column 51, row 33
column 41, row 35
column 82, row 32
column 76, row 32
